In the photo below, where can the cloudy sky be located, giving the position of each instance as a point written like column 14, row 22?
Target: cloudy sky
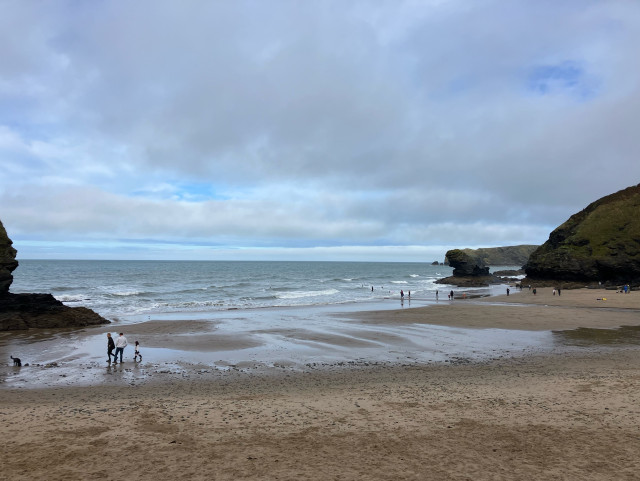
column 316, row 130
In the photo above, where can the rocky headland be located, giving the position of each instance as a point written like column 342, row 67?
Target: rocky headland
column 24, row 311
column 600, row 244
column 502, row 256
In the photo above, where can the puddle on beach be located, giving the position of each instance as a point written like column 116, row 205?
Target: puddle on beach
column 589, row 337
column 78, row 357
column 264, row 339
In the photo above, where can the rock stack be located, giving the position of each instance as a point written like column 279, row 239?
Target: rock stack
column 467, row 271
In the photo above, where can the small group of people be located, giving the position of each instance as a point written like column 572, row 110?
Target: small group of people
column 119, row 346
column 402, row 294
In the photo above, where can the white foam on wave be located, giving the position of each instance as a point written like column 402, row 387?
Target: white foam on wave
column 414, row 275
column 399, row 282
column 301, row 294
column 71, row 298
column 126, row 293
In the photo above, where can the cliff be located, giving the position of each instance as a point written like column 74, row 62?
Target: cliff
column 599, row 243
column 502, row 256
column 23, row 311
column 8, row 262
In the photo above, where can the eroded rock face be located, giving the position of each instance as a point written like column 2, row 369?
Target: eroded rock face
column 600, row 243
column 23, row 311
column 503, row 256
column 466, row 266
column 8, row 262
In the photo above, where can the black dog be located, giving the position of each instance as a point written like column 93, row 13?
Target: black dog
column 16, row 361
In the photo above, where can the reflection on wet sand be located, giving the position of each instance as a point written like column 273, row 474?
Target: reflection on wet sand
column 296, row 338
column 589, row 337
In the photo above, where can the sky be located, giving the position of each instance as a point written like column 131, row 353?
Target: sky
column 310, row 130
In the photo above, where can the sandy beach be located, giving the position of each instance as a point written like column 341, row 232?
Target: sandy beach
column 569, row 413
column 543, row 311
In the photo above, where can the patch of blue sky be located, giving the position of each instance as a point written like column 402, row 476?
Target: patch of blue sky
column 565, row 78
column 185, row 191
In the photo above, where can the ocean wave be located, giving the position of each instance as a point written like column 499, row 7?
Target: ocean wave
column 399, row 282
column 72, row 298
column 301, row 294
column 414, row 275
column 126, row 293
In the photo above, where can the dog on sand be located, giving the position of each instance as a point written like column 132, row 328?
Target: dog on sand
column 16, row 361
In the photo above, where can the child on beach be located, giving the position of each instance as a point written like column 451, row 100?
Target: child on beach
column 137, row 352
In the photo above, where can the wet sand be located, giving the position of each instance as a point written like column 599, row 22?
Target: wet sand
column 587, row 308
column 567, row 414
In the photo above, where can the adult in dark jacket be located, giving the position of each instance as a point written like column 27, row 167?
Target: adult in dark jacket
column 110, row 346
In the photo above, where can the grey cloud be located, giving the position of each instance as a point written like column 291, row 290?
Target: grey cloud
column 399, row 120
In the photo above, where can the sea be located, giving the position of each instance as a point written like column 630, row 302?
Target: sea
column 116, row 288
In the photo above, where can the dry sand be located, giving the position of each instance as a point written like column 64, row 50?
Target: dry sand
column 573, row 415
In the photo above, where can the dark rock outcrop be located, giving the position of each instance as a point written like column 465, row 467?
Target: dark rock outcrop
column 8, row 262
column 23, row 311
column 600, row 243
column 467, row 271
column 465, row 266
column 509, row 273
column 470, row 281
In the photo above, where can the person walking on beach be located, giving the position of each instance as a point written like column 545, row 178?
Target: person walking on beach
column 110, row 346
column 401, row 294
column 136, row 353
column 451, row 295
column 121, row 343
column 436, row 294
column 507, row 291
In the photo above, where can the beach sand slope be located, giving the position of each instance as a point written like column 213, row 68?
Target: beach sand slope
column 553, row 417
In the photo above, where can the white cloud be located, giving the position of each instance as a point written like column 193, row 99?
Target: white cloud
column 301, row 124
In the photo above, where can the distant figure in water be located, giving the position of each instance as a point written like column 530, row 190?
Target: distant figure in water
column 371, row 288
column 401, row 294
column 507, row 291
column 409, row 295
column 436, row 294
column 451, row 295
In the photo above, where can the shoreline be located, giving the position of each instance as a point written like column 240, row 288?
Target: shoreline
column 299, row 340
column 573, row 309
